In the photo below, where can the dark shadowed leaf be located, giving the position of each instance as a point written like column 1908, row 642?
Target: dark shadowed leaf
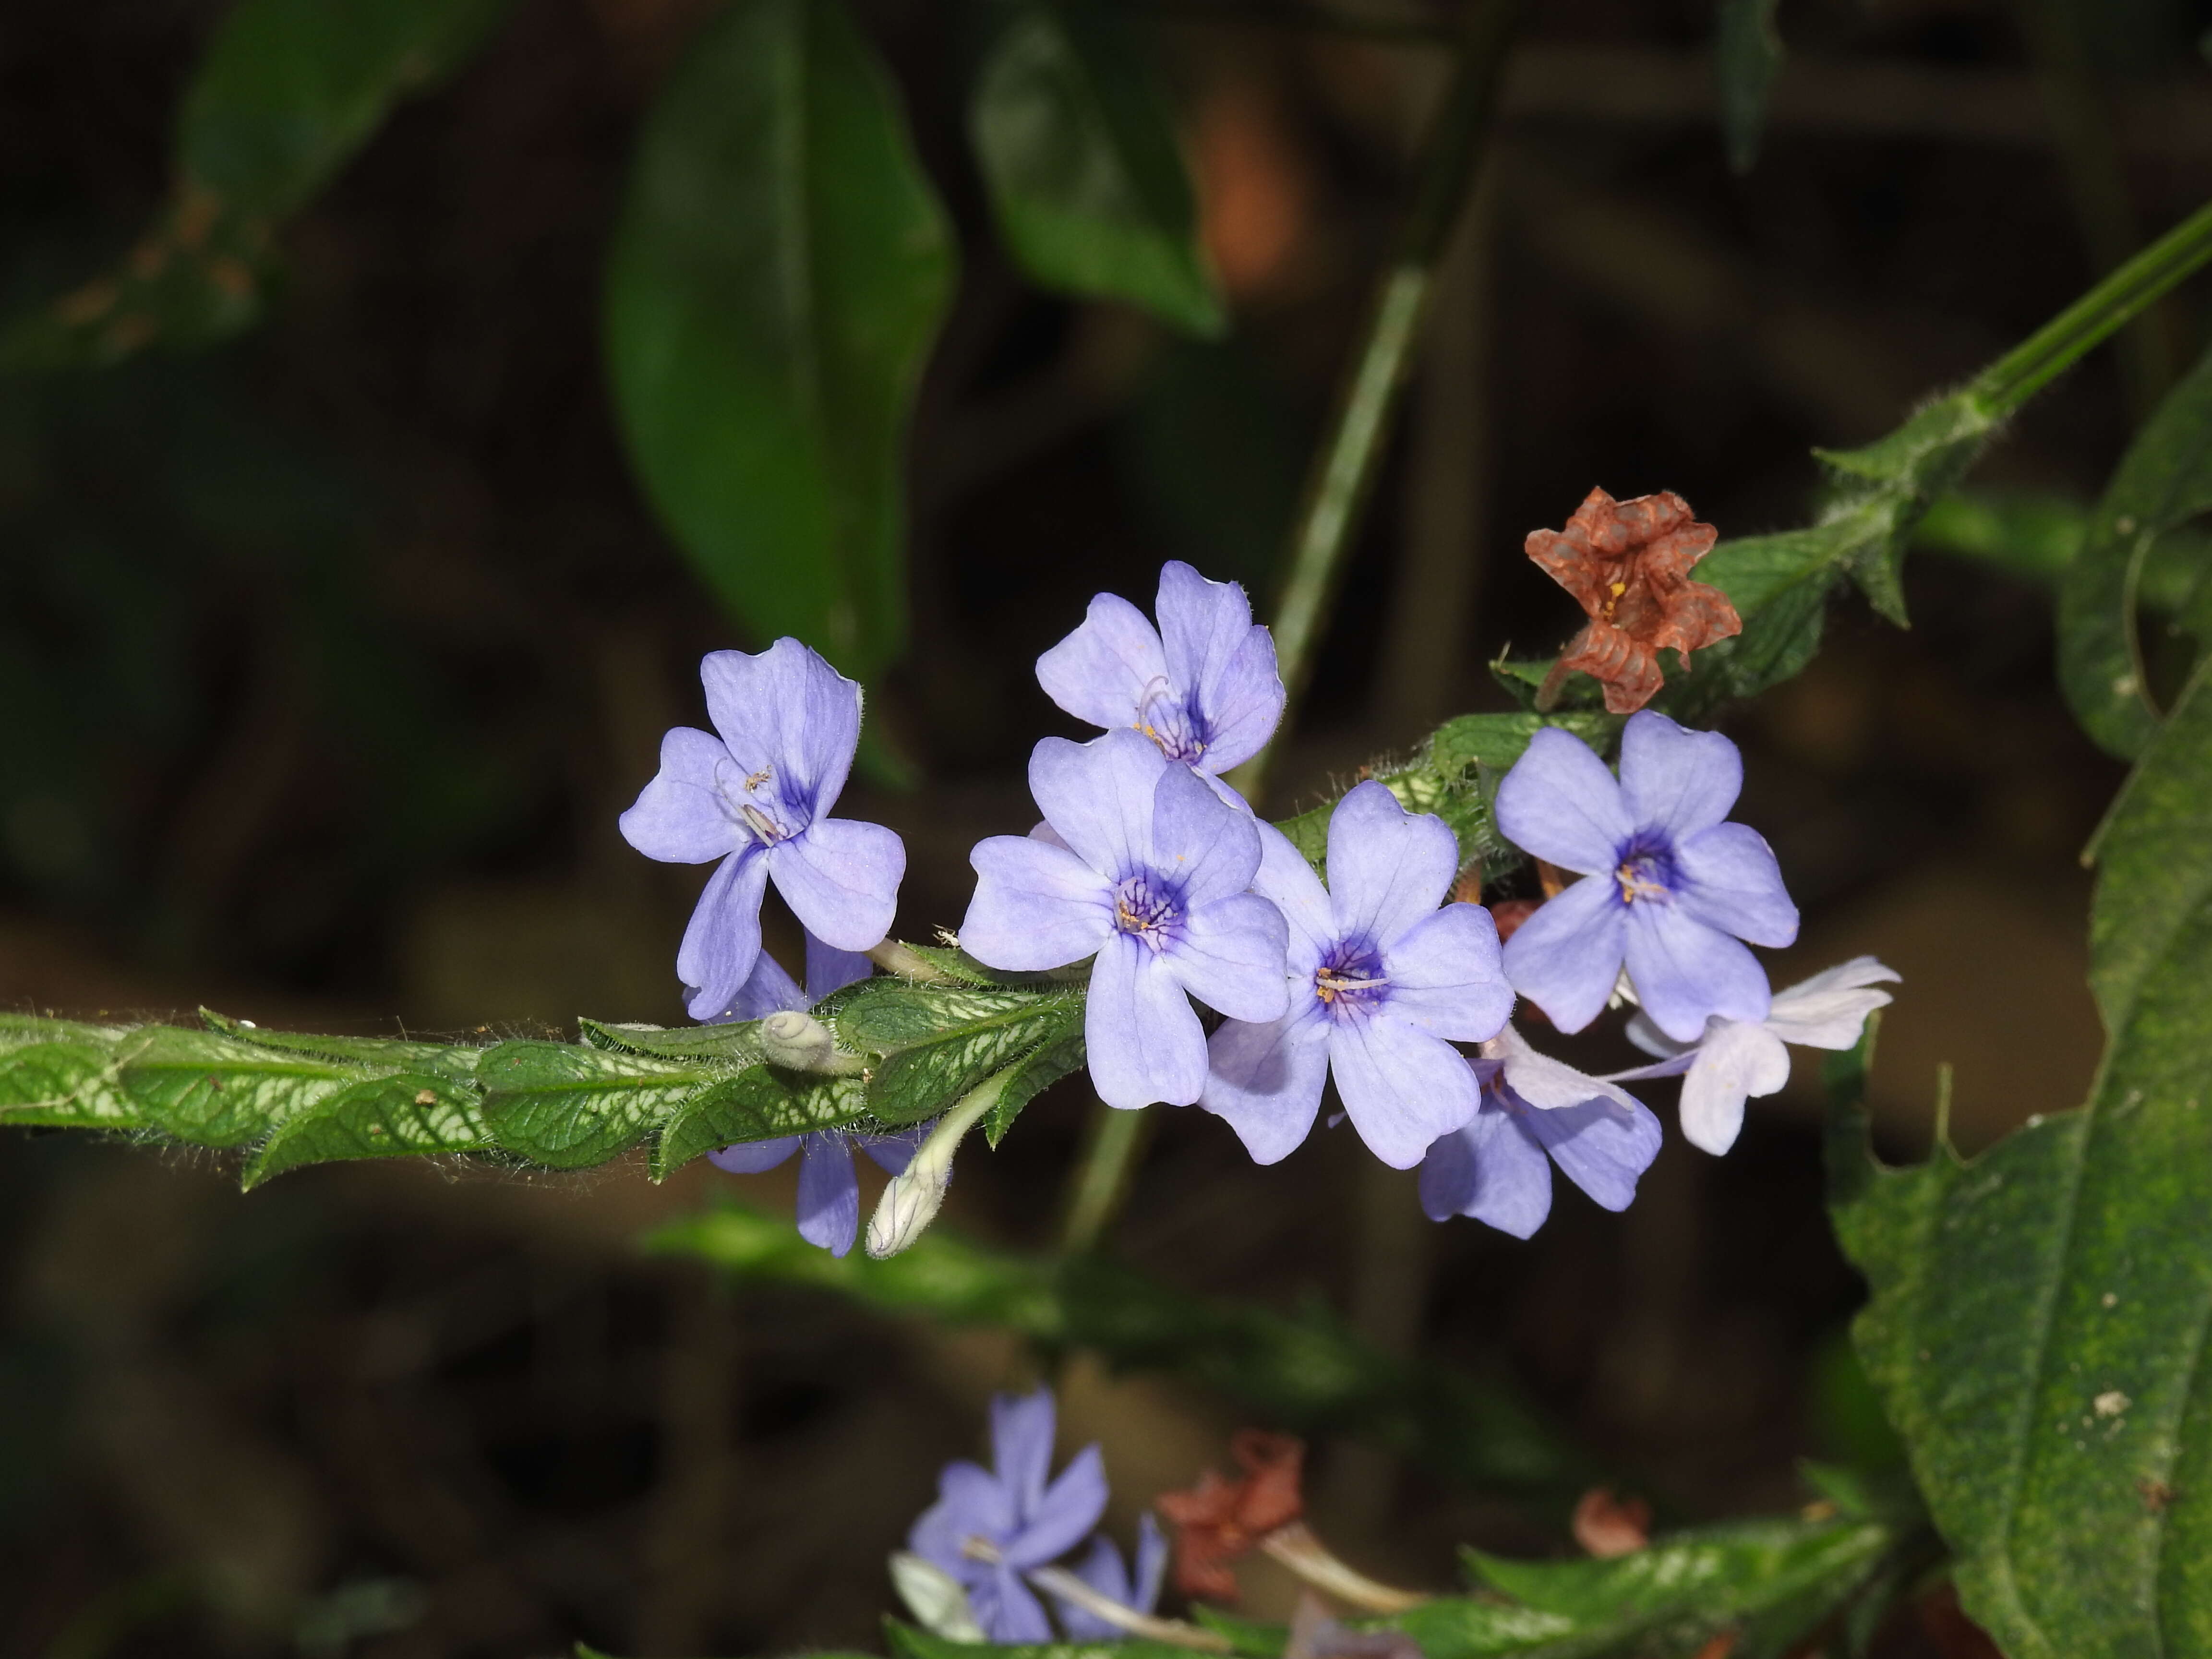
column 760, row 1103
column 735, row 1045
column 1075, row 145
column 1037, row 1074
column 2164, row 480
column 776, row 279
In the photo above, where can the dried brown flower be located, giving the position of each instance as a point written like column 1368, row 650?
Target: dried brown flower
column 1627, row 564
column 1608, row 1526
column 1218, row 1521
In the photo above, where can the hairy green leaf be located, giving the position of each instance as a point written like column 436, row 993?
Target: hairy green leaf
column 405, row 1114
column 2039, row 1315
column 66, row 1085
column 760, row 1103
column 736, row 1045
column 211, row 1090
column 453, row 1061
column 1747, row 57
column 572, row 1107
column 1037, row 1074
column 1769, row 1583
column 777, row 277
column 2164, row 480
column 1076, row 148
column 920, row 1078
column 1305, row 1372
column 21, row 1030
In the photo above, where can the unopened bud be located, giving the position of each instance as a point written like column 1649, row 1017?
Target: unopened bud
column 801, row 1042
column 910, row 1203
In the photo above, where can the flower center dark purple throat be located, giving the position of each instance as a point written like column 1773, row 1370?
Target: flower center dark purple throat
column 1351, row 977
column 1646, row 870
column 1147, row 907
column 1170, row 721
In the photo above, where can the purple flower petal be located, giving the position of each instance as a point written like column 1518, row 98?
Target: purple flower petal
column 722, row 941
column 751, row 1156
column 1599, row 1145
column 1731, row 881
column 829, row 1194
column 1567, row 957
column 1102, row 1570
column 681, row 816
column 1266, row 1079
column 767, row 990
column 1559, row 803
column 1065, row 1515
column 1036, row 906
column 1022, row 1427
column 1285, row 880
column 1387, row 868
column 970, row 1504
column 1402, row 1087
column 789, row 713
column 1152, row 1563
column 1243, row 704
column 840, row 879
column 1675, row 779
column 1648, row 1037
column 1006, row 1610
column 1733, row 1062
column 1202, row 624
column 1100, row 672
column 829, row 969
column 1230, row 957
column 1143, row 1037
column 1446, row 976
column 893, row 1152
column 1209, row 848
column 1098, row 796
column 1684, row 970
column 1492, row 1170
column 1829, row 1010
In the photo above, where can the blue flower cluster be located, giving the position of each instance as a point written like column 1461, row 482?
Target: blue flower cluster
column 1151, row 867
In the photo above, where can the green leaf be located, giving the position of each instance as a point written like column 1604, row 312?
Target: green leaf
column 290, row 89
column 779, row 272
column 21, row 1030
column 2164, row 480
column 938, row 1044
column 407, row 1114
column 1305, row 1372
column 572, row 1107
column 2037, row 1317
column 759, row 1104
column 1037, row 1074
column 1747, row 57
column 1077, row 151
column 454, row 1062
column 1770, row 1583
column 65, row 1085
column 210, row 1090
column 735, row 1045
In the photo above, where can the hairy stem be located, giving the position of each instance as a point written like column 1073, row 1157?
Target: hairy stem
column 1296, row 1548
column 1103, row 1174
column 1344, row 465
column 1059, row 1581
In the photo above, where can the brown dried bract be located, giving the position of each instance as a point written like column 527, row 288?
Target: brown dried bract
column 1627, row 564
column 1608, row 1526
column 1218, row 1521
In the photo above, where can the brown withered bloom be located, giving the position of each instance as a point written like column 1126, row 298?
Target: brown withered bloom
column 1627, row 564
column 1607, row 1526
column 1216, row 1520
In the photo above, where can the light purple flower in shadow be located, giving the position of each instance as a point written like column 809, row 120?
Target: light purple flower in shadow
column 1382, row 982
column 989, row 1526
column 1203, row 685
column 1103, row 1568
column 1735, row 1059
column 1670, row 888
column 829, row 1190
column 1148, row 870
column 756, row 793
column 1537, row 1112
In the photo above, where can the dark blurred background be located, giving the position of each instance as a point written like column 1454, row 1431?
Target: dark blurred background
column 331, row 654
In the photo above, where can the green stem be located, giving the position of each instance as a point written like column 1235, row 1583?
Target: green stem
column 1113, row 1143
column 2071, row 336
column 1345, row 466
